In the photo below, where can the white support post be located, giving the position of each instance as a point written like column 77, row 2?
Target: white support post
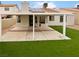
column 46, row 20
column 0, row 27
column 64, row 25
column 33, row 27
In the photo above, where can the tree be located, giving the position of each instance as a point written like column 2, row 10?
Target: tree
column 45, row 5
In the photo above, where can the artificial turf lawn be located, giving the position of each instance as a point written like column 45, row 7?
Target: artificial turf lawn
column 43, row 48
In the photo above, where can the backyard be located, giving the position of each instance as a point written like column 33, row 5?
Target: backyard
column 47, row 48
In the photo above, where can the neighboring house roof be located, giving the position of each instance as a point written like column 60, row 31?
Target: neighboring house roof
column 7, row 5
column 42, row 10
column 73, row 10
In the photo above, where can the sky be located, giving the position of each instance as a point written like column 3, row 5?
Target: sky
column 52, row 4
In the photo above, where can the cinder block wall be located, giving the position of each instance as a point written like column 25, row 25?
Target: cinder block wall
column 6, row 23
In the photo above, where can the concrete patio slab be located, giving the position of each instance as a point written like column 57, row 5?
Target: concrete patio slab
column 42, row 34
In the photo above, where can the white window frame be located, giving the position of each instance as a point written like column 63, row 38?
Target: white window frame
column 51, row 18
column 6, row 8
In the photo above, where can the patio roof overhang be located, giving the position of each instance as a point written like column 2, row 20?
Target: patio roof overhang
column 29, row 13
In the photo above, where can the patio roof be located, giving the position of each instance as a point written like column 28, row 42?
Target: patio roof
column 45, row 13
column 30, row 13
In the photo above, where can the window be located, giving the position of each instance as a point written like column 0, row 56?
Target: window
column 51, row 18
column 6, row 9
column 61, row 18
column 42, row 19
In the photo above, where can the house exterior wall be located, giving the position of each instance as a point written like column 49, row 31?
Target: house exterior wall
column 70, row 20
column 46, row 20
column 24, row 20
column 11, row 9
column 56, row 22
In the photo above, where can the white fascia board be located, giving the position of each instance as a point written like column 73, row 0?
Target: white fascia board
column 20, row 13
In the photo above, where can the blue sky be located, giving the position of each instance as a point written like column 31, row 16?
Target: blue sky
column 36, row 4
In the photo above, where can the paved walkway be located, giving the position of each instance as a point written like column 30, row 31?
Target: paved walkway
column 44, row 33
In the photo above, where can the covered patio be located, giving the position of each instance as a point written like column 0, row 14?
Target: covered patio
column 34, row 35
column 43, row 33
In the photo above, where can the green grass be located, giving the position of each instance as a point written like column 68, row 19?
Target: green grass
column 43, row 48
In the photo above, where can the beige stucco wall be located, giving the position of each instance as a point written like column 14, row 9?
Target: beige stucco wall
column 70, row 20
column 56, row 21
column 24, row 21
column 11, row 9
